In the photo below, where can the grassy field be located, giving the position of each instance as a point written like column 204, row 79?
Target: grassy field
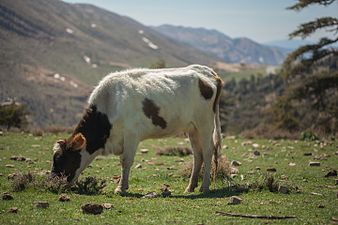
column 314, row 200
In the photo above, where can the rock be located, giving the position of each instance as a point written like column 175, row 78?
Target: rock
column 116, row 179
column 321, row 206
column 258, row 168
column 271, row 169
column 165, row 192
column 92, row 208
column 17, row 158
column 315, row 193
column 9, row 166
column 235, row 163
column 13, row 210
column 7, row 196
column 107, row 205
column 331, row 173
column 283, row 189
column 307, row 154
column 41, row 204
column 138, row 166
column 150, row 195
column 256, row 153
column 255, row 145
column 64, row 198
column 314, row 163
column 11, row 176
column 234, row 200
column 144, row 150
column 292, row 164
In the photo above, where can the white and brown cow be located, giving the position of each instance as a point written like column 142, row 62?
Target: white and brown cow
column 133, row 105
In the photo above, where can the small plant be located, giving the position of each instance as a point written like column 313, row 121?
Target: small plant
column 20, row 181
column 223, row 169
column 90, row 186
column 308, row 136
column 57, row 184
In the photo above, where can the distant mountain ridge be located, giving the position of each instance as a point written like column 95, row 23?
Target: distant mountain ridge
column 53, row 53
column 232, row 50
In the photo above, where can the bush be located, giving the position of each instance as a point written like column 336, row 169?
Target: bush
column 13, row 114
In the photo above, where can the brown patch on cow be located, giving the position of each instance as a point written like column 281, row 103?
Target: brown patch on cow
column 220, row 84
column 151, row 110
column 205, row 89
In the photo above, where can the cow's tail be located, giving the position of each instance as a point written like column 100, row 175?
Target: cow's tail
column 217, row 136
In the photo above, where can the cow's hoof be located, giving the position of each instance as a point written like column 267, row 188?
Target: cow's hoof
column 120, row 191
column 205, row 189
column 189, row 189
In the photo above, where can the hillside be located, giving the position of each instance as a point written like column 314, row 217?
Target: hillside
column 52, row 53
column 237, row 50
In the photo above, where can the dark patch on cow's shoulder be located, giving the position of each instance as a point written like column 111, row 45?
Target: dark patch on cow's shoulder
column 151, row 110
column 95, row 127
column 205, row 89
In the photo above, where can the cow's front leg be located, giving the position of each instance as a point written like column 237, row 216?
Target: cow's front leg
column 127, row 159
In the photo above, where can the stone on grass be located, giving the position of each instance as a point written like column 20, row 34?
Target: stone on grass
column 165, row 192
column 234, row 200
column 235, row 163
column 321, row 206
column 256, row 153
column 307, row 153
column 9, row 166
column 150, row 195
column 64, row 198
column 7, row 196
column 271, row 169
column 41, row 204
column 283, row 189
column 92, row 208
column 17, row 158
column 144, row 150
column 292, row 164
column 314, row 163
column 107, row 205
column 138, row 166
column 331, row 173
column 13, row 210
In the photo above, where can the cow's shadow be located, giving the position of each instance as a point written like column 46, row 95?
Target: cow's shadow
column 218, row 193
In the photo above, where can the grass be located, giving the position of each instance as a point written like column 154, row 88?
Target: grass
column 180, row 208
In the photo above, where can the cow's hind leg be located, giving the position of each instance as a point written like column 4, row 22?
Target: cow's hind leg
column 207, row 151
column 197, row 163
column 127, row 159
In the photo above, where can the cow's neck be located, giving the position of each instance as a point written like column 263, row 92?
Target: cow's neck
column 95, row 127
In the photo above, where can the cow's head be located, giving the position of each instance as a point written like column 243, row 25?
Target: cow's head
column 70, row 157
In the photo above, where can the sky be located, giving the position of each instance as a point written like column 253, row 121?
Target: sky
column 261, row 20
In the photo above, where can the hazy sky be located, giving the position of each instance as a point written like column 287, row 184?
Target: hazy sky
column 260, row 20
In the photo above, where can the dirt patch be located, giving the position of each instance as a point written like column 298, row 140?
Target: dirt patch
column 91, row 208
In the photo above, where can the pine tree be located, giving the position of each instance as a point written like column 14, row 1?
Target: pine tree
column 310, row 100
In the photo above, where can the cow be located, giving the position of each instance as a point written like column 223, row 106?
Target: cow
column 130, row 106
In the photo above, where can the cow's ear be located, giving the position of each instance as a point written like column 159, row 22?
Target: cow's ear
column 78, row 142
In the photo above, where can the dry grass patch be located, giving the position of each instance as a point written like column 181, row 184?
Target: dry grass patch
column 174, row 151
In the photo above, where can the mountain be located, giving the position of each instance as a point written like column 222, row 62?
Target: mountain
column 52, row 53
column 288, row 44
column 232, row 50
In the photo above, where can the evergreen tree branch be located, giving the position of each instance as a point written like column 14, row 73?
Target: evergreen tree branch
column 306, row 29
column 305, row 3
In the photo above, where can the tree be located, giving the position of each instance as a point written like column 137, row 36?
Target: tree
column 311, row 95
column 13, row 114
